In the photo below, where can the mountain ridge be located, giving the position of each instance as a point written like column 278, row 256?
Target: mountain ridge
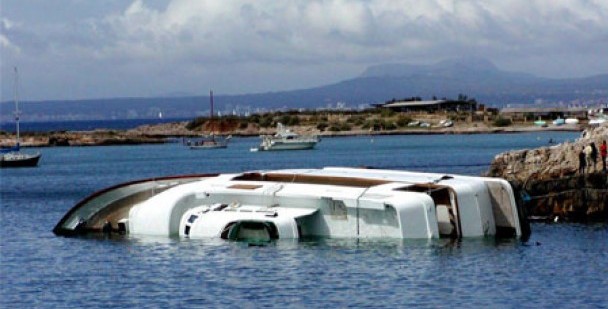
column 478, row 78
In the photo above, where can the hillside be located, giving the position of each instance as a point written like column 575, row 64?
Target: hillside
column 475, row 77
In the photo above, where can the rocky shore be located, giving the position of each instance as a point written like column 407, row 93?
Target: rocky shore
column 548, row 180
column 162, row 133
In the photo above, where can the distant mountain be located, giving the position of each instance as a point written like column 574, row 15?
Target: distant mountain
column 475, row 77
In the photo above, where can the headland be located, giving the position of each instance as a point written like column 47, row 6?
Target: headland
column 324, row 124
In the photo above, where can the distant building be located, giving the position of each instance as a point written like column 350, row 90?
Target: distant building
column 429, row 106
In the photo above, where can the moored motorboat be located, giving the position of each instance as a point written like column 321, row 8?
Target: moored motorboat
column 571, row 121
column 285, row 139
column 19, row 159
column 212, row 141
column 13, row 156
column 290, row 204
column 209, row 143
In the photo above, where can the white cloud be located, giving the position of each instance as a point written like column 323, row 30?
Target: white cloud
column 243, row 31
column 5, row 43
column 204, row 38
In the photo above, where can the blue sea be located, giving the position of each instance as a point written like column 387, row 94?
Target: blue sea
column 562, row 265
column 84, row 125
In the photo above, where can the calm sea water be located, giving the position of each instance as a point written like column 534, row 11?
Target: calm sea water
column 563, row 265
column 84, row 125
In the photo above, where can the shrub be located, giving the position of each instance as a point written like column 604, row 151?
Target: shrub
column 293, row 121
column 255, row 118
column 389, row 125
column 387, row 112
column 334, row 128
column 322, row 126
column 196, row 122
column 502, row 122
column 266, row 121
column 403, row 121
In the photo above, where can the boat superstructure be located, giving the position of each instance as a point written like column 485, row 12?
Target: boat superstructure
column 279, row 204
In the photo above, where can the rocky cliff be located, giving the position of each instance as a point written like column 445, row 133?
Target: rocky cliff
column 550, row 184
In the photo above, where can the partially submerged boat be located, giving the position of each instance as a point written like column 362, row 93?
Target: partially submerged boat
column 290, row 204
column 285, row 139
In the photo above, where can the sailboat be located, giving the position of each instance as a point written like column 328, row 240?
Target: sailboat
column 212, row 142
column 12, row 156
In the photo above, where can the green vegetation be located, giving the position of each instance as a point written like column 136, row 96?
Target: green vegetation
column 196, row 123
column 502, row 122
column 373, row 119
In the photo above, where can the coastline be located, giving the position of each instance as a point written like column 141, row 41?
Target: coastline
column 163, row 133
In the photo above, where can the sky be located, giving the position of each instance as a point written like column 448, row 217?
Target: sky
column 81, row 49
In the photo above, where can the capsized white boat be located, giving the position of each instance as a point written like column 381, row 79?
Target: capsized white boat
column 290, row 204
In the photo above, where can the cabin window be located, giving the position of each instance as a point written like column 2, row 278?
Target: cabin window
column 192, row 218
column 337, row 210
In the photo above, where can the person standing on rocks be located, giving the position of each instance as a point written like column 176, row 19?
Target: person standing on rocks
column 603, row 154
column 593, row 156
column 588, row 151
column 582, row 162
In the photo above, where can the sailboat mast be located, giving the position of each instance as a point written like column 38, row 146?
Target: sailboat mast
column 17, row 106
column 211, row 102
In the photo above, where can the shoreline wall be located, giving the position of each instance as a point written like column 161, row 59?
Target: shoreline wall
column 549, row 183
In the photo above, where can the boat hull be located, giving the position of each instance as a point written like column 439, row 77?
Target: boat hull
column 19, row 160
column 289, row 146
column 218, row 146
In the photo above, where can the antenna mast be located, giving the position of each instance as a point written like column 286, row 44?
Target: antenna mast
column 17, row 112
column 211, row 101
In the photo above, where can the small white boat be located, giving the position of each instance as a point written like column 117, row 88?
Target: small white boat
column 291, row 204
column 284, row 139
column 571, row 121
column 596, row 121
column 559, row 122
column 446, row 123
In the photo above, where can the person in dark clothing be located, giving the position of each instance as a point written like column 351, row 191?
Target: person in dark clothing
column 582, row 162
column 603, row 154
column 593, row 155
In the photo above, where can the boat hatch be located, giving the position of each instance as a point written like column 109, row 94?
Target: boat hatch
column 250, row 231
column 446, row 207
